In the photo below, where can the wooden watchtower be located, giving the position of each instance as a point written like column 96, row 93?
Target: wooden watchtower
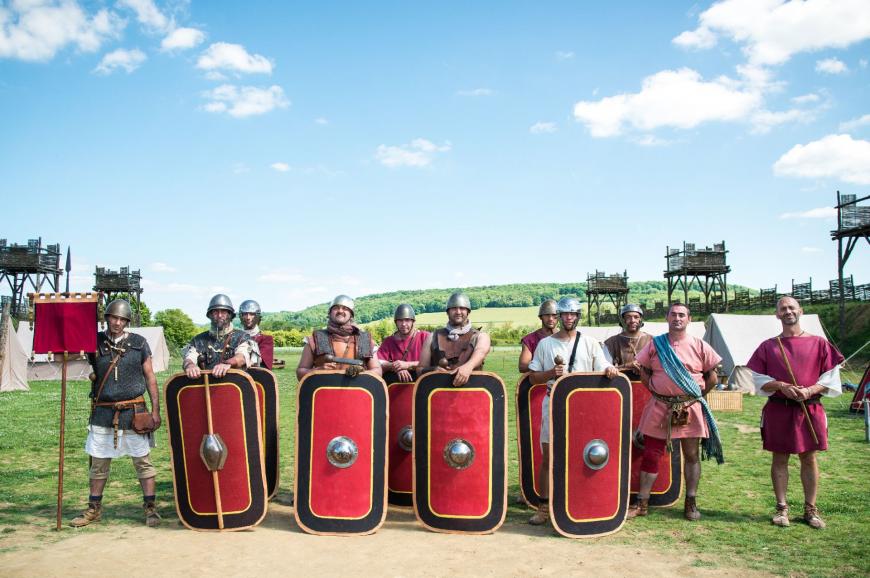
column 32, row 264
column 113, row 283
column 707, row 267
column 603, row 288
column 853, row 224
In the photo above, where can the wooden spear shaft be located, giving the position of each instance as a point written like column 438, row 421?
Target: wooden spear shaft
column 62, row 430
column 214, row 474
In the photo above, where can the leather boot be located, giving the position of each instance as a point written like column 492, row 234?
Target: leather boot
column 780, row 518
column 812, row 517
column 92, row 515
column 690, row 509
column 640, row 508
column 542, row 516
column 152, row 518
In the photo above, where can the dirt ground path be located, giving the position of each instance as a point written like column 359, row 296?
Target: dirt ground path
column 400, row 548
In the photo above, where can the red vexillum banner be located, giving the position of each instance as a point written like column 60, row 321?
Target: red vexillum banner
column 64, row 325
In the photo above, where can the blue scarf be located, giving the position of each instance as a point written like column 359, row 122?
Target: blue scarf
column 711, row 447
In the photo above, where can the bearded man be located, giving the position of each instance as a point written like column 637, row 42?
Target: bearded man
column 222, row 347
column 341, row 339
column 457, row 348
column 623, row 348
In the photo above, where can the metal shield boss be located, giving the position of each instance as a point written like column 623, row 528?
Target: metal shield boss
column 216, row 450
column 267, row 393
column 529, row 403
column 341, row 453
column 400, row 442
column 590, row 454
column 460, row 453
column 669, row 483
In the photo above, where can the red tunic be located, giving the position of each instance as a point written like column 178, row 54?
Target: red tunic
column 532, row 339
column 392, row 349
column 783, row 426
column 266, row 343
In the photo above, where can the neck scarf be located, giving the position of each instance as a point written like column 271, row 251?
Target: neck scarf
column 453, row 333
column 345, row 330
column 220, row 334
column 253, row 332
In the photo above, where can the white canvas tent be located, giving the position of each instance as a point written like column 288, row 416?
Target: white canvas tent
column 40, row 367
column 735, row 338
column 696, row 329
column 13, row 359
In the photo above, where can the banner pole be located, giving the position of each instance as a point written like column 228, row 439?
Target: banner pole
column 62, row 430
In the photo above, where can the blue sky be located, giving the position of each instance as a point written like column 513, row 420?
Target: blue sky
column 288, row 152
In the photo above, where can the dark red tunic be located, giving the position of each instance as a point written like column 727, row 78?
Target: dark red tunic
column 783, row 425
column 266, row 343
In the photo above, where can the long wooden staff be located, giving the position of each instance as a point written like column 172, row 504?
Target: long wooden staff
column 214, row 473
column 62, row 430
column 794, row 382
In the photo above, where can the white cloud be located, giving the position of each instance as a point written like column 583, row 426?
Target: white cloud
column 148, row 14
column 280, row 167
column 862, row 63
column 670, row 98
column 543, row 128
column 764, row 120
column 476, row 92
column 37, row 30
column 771, row 31
column 182, row 39
column 321, row 121
column 245, row 101
column 649, row 140
column 564, row 55
column 811, row 250
column 805, row 98
column 161, row 267
column 418, row 153
column 831, row 66
column 819, row 213
column 834, row 156
column 851, row 125
column 234, row 57
column 240, row 169
column 128, row 60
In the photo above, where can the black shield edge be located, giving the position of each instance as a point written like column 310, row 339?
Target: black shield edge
column 271, row 439
column 525, row 439
column 496, row 516
column 257, row 511
column 558, row 512
column 305, row 518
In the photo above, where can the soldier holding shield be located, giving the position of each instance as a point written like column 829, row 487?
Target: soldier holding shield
column 400, row 352
column 458, row 347
column 342, row 345
column 222, row 347
column 250, row 315
column 582, row 353
column 623, row 348
column 549, row 319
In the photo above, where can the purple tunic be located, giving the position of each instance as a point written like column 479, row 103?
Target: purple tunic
column 783, row 426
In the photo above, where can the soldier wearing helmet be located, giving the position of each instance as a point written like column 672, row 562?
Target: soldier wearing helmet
column 462, row 347
column 400, row 352
column 222, row 347
column 549, row 320
column 122, row 373
column 341, row 339
column 249, row 315
column 580, row 353
column 623, row 348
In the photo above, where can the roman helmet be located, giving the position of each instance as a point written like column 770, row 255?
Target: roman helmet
column 569, row 305
column 548, row 307
column 344, row 301
column 250, row 306
column 459, row 299
column 404, row 311
column 630, row 308
column 221, row 301
column 119, row 308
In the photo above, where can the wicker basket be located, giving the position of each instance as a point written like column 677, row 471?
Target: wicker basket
column 725, row 400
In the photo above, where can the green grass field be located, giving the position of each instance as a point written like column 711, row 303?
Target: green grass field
column 735, row 498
